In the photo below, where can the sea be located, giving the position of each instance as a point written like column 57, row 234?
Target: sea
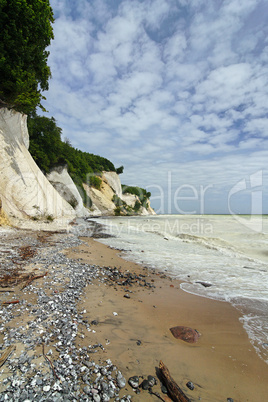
column 222, row 257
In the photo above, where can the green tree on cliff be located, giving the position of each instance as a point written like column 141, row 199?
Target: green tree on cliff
column 26, row 31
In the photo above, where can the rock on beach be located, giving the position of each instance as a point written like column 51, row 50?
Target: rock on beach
column 186, row 334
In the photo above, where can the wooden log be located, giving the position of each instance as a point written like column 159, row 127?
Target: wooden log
column 174, row 390
column 6, row 355
column 11, row 302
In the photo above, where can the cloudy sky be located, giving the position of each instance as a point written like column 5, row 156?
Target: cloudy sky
column 176, row 91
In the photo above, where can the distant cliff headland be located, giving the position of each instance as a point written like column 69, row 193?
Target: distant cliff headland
column 44, row 179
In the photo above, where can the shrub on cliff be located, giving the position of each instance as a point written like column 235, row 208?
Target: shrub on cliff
column 26, row 31
column 48, row 150
column 95, row 181
column 45, row 141
column 141, row 193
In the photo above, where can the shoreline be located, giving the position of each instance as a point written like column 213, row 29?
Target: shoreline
column 69, row 309
column 222, row 364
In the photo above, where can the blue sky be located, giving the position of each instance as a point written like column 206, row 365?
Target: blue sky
column 176, row 91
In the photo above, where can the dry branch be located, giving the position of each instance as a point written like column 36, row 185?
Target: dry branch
column 7, row 290
column 174, row 390
column 6, row 354
column 11, row 302
column 32, row 279
column 50, row 362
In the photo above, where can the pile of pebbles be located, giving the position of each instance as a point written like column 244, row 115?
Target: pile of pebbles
column 127, row 279
column 51, row 367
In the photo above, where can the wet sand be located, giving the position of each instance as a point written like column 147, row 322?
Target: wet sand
column 222, row 364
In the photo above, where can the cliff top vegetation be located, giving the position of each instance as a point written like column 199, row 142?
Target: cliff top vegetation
column 26, row 31
column 49, row 150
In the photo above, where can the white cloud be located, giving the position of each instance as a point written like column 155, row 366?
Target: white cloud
column 175, row 47
column 164, row 86
column 257, row 127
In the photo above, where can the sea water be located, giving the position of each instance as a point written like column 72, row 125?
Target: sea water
column 227, row 253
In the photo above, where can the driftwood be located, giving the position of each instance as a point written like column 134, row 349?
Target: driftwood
column 31, row 279
column 7, row 290
column 164, row 399
column 6, row 355
column 174, row 390
column 50, row 362
column 11, row 302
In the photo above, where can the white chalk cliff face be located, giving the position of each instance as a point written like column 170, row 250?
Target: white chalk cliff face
column 113, row 180
column 63, row 183
column 102, row 203
column 28, row 198
column 24, row 190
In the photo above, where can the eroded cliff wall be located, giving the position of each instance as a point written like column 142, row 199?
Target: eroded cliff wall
column 25, row 192
column 63, row 183
column 29, row 199
column 104, row 201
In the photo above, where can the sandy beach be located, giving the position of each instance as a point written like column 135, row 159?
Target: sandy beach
column 222, row 364
column 79, row 305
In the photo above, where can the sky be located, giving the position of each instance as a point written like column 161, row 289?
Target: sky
column 176, row 91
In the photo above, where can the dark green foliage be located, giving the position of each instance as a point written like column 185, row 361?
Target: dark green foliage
column 118, row 202
column 79, row 184
column 49, row 218
column 137, row 206
column 117, row 211
column 95, row 181
column 45, row 141
column 48, row 150
column 26, row 31
column 120, row 170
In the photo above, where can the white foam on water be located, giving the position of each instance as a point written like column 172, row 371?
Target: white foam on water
column 217, row 250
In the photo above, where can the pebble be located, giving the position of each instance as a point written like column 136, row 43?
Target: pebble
column 87, row 390
column 190, row 385
column 54, row 317
column 134, row 381
column 46, row 388
column 105, row 397
column 145, row 384
column 121, row 382
column 152, row 380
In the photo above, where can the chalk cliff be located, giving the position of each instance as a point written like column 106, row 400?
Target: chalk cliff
column 25, row 192
column 105, row 200
column 29, row 199
column 63, row 183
